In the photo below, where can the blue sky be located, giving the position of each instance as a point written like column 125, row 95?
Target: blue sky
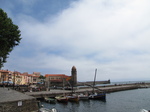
column 110, row 35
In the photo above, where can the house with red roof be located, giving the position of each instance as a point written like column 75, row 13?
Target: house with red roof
column 56, row 79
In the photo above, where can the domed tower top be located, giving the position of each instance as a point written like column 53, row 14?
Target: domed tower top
column 73, row 68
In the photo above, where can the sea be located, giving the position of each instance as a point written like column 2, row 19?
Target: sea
column 124, row 101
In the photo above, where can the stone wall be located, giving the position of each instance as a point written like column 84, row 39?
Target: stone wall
column 19, row 106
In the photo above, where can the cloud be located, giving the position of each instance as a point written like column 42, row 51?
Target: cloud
column 112, row 36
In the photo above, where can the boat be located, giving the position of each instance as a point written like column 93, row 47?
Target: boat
column 97, row 95
column 62, row 99
column 54, row 110
column 44, row 110
column 144, row 110
column 73, row 98
column 83, row 97
column 49, row 100
column 47, row 110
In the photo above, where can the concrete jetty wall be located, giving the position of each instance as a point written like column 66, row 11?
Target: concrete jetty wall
column 91, row 82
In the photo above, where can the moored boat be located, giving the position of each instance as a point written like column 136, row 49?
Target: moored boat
column 62, row 99
column 50, row 100
column 53, row 110
column 83, row 97
column 73, row 98
column 144, row 110
column 99, row 96
column 44, row 110
column 47, row 110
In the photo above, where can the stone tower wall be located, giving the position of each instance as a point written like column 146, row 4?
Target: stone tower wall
column 74, row 75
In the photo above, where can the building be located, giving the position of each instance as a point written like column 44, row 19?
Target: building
column 36, row 78
column 17, row 78
column 31, row 78
column 14, row 101
column 56, row 79
column 4, row 76
column 62, row 79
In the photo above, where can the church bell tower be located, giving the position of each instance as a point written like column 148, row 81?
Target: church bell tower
column 74, row 76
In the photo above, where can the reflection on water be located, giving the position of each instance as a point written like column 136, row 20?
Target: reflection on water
column 81, row 106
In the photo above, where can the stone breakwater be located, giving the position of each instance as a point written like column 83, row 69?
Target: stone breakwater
column 107, row 89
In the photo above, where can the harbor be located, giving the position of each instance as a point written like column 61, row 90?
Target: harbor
column 28, row 98
column 27, row 101
column 74, row 56
column 122, row 101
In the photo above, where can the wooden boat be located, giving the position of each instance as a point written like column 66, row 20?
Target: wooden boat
column 73, row 98
column 62, row 99
column 50, row 100
column 83, row 97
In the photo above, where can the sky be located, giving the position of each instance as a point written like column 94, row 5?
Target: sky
column 111, row 36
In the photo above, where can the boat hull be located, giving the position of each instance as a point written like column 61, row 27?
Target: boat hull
column 101, row 96
column 62, row 99
column 73, row 98
column 83, row 97
column 50, row 100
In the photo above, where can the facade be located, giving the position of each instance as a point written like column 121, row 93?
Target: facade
column 5, row 76
column 56, row 79
column 17, row 78
column 62, row 79
column 36, row 76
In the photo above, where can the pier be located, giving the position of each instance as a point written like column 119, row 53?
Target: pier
column 107, row 89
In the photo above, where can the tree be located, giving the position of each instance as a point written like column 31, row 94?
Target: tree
column 42, row 78
column 9, row 36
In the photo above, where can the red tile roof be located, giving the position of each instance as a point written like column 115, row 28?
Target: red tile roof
column 62, row 75
column 4, row 71
column 56, row 80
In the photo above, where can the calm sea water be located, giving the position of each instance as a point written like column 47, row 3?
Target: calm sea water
column 124, row 101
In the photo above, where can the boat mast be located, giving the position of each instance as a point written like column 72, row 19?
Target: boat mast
column 94, row 79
